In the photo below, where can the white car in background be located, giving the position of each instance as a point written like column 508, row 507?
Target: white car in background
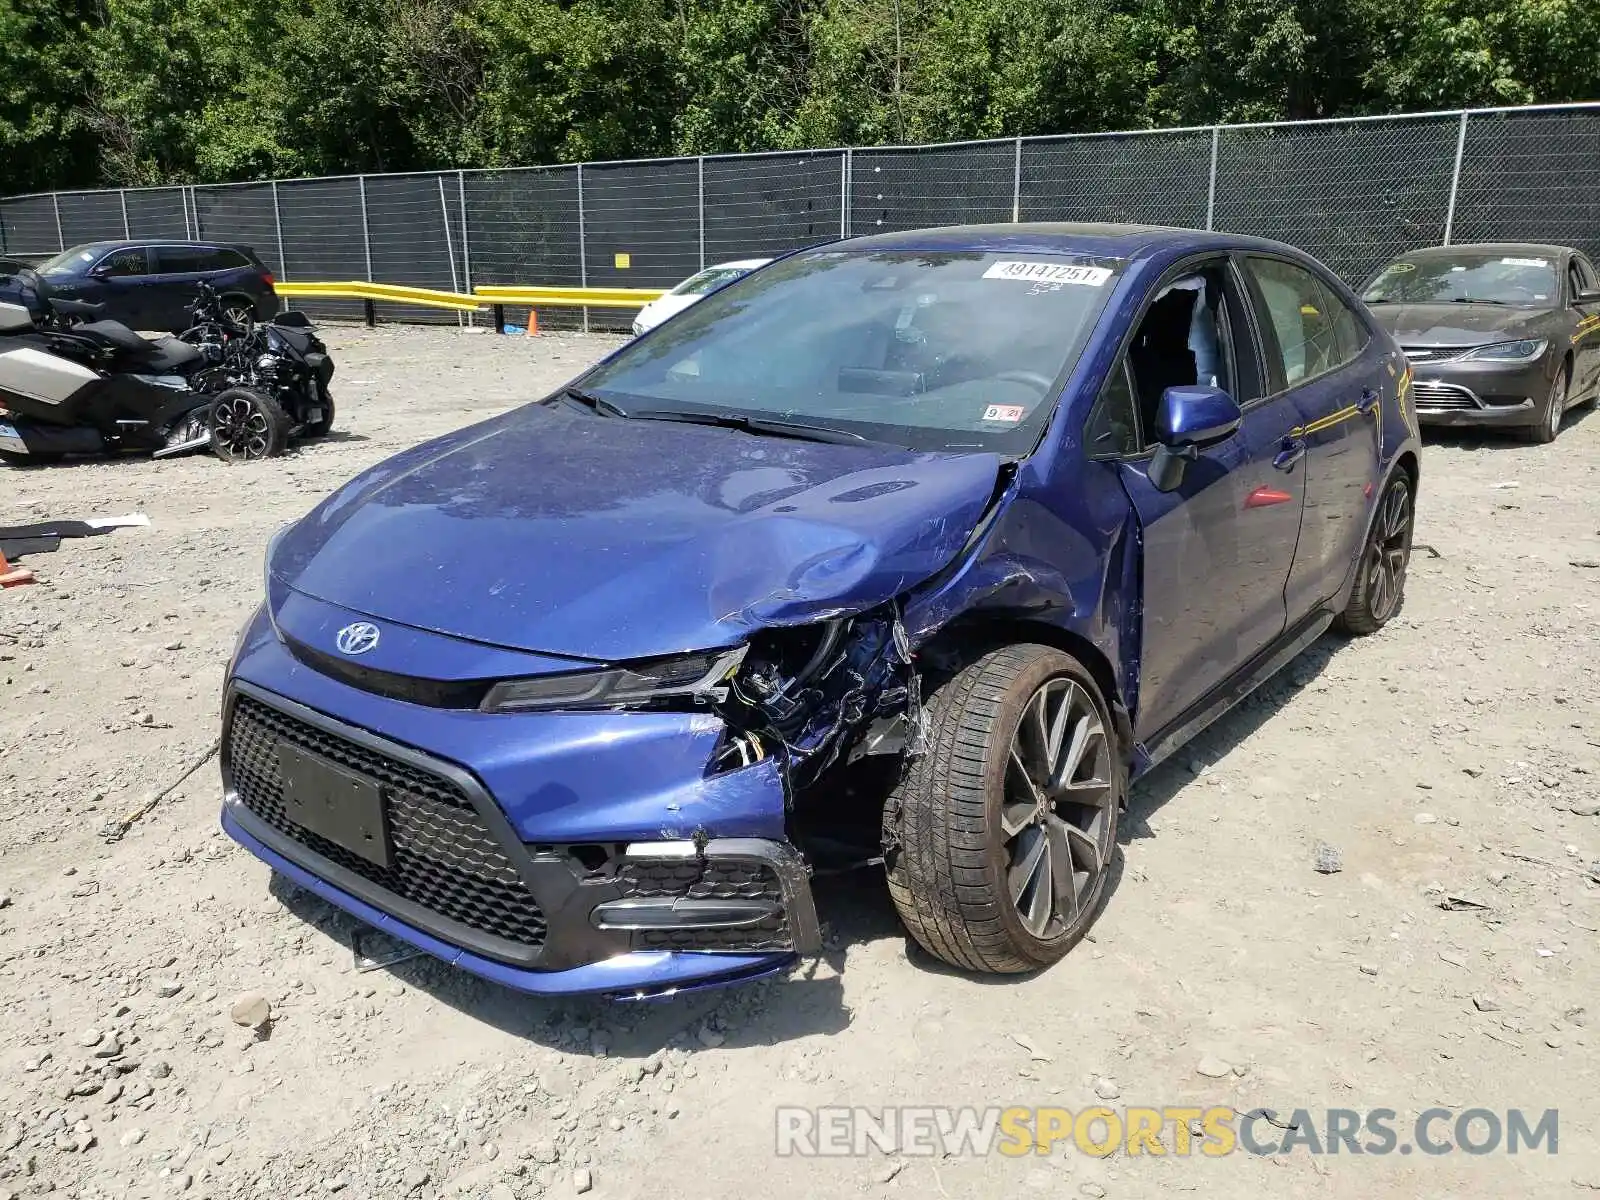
column 694, row 288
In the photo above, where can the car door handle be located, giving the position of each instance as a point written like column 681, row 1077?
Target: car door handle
column 1294, row 449
column 1369, row 400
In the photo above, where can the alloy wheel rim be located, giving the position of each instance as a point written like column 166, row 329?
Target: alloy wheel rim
column 242, row 428
column 237, row 314
column 1391, row 547
column 1558, row 402
column 1055, row 811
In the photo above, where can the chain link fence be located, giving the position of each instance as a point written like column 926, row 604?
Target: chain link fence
column 1352, row 192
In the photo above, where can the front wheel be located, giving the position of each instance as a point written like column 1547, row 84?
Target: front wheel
column 1544, row 431
column 247, row 425
column 1381, row 573
column 320, row 427
column 998, row 839
column 239, row 311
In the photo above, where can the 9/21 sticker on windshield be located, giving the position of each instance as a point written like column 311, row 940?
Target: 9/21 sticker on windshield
column 1009, row 413
column 1049, row 272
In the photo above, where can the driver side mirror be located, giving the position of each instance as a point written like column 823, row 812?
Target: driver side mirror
column 1587, row 296
column 1188, row 419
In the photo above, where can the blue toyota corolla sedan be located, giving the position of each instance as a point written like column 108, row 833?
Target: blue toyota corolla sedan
column 993, row 518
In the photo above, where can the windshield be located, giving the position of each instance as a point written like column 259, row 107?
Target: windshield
column 1488, row 278
column 68, row 262
column 932, row 351
column 708, row 281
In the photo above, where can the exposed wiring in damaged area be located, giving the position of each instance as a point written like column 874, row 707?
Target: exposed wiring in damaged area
column 817, row 695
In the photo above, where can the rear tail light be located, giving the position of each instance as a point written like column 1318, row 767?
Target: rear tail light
column 267, row 275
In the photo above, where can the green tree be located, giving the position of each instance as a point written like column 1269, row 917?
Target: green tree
column 44, row 140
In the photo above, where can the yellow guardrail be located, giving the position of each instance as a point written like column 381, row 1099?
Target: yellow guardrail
column 568, row 297
column 360, row 289
column 493, row 296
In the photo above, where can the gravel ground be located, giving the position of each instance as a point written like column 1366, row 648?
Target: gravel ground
column 171, row 1025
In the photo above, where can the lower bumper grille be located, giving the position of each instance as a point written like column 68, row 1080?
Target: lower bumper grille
column 445, row 859
column 1431, row 394
column 647, row 879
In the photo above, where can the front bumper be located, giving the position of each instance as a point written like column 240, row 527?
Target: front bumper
column 620, row 913
column 1467, row 392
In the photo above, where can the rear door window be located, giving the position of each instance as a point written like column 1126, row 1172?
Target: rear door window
column 1303, row 316
column 1348, row 327
column 197, row 260
column 179, row 260
column 1586, row 274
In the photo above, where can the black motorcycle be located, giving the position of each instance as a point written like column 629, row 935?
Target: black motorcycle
column 70, row 384
column 283, row 358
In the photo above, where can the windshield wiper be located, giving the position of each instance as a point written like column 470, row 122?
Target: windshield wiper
column 593, row 403
column 757, row 425
column 1476, row 300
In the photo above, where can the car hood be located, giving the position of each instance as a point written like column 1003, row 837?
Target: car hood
column 1459, row 324
column 603, row 538
column 659, row 309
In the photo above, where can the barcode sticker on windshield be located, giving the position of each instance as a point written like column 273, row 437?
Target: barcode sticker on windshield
column 1526, row 262
column 1046, row 272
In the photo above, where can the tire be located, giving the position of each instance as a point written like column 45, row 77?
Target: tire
column 316, row 429
column 968, row 816
column 238, row 309
column 12, row 459
column 1381, row 572
column 247, row 425
column 1544, row 431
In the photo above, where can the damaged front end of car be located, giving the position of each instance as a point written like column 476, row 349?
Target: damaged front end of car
column 631, row 830
column 560, row 791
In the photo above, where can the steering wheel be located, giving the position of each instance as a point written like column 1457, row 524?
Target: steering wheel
column 1028, row 378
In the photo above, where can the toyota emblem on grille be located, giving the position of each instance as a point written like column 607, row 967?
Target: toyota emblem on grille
column 357, row 638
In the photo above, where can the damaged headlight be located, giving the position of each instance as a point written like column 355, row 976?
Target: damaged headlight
column 826, row 693
column 686, row 676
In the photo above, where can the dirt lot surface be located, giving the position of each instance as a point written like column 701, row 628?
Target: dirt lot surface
column 1457, row 754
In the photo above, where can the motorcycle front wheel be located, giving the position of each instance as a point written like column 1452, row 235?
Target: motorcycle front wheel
column 247, row 425
column 318, row 428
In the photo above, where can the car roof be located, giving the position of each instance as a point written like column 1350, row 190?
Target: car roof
column 1540, row 248
column 1101, row 239
column 104, row 245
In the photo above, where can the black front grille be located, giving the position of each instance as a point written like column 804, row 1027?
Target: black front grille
column 435, row 693
column 445, row 859
column 712, row 879
column 1429, row 354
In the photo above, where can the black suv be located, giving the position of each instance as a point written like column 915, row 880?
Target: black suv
column 150, row 284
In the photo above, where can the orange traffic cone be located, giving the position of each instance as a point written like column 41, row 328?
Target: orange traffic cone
column 533, row 323
column 12, row 576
